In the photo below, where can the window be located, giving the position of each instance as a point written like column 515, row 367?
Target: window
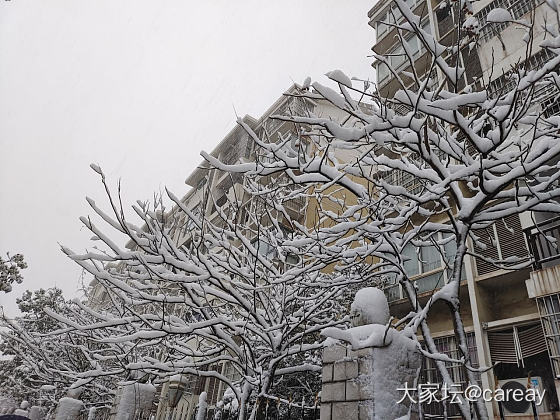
column 430, row 258
column 427, row 267
column 508, row 81
column 382, row 72
column 231, row 372
column 390, row 16
column 430, row 374
column 413, row 45
column 381, row 26
column 448, row 346
column 264, row 248
column 201, row 183
column 190, row 224
column 213, row 388
column 411, row 266
column 549, row 309
column 550, row 102
column 396, row 14
column 514, row 345
column 403, row 179
column 426, row 27
column 293, row 146
column 450, row 250
column 292, row 259
column 397, row 57
column 517, row 8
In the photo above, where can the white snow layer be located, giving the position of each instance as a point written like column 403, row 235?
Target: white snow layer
column 68, row 409
column 370, row 307
column 36, row 413
column 91, row 413
column 202, row 407
column 498, row 15
column 134, row 399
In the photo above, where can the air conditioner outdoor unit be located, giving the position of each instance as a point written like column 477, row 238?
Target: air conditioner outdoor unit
column 522, row 407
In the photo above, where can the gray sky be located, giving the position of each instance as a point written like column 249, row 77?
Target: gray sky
column 140, row 87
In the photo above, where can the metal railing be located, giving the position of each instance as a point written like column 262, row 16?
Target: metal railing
column 543, row 240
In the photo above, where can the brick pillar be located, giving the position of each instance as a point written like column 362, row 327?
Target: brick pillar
column 363, row 384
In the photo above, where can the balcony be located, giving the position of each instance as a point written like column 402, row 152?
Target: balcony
column 296, row 204
column 543, row 239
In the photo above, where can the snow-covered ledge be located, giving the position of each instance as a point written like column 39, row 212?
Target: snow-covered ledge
column 365, row 366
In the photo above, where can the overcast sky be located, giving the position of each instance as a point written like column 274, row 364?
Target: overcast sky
column 140, row 87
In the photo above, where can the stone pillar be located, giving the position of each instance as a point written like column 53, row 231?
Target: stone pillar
column 367, row 367
column 136, row 399
column 363, row 384
column 340, row 394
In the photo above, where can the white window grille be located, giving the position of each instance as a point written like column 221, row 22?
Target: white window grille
column 507, row 81
column 549, row 309
column 517, row 8
column 430, row 374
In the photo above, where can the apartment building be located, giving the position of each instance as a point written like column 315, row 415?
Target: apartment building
column 512, row 317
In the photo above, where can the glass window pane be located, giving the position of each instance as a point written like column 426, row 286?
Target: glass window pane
column 431, row 259
column 413, row 45
column 382, row 72
column 411, row 264
column 292, row 259
column 450, row 250
column 381, row 28
column 426, row 27
column 397, row 13
column 393, row 293
column 429, row 283
column 397, row 57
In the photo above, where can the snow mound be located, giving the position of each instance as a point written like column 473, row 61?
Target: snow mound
column 134, row 399
column 202, row 407
column 340, row 77
column 372, row 335
column 36, row 413
column 68, row 409
column 369, row 307
column 499, row 15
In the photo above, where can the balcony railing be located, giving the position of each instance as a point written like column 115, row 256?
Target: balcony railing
column 296, row 203
column 543, row 240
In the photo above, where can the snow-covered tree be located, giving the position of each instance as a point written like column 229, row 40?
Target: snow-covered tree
column 42, row 361
column 10, row 271
column 435, row 166
column 241, row 298
column 432, row 167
